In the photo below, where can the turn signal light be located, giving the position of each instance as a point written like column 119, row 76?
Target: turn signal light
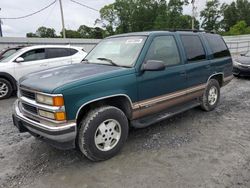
column 60, row 116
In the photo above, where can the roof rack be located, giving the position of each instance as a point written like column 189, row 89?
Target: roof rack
column 190, row 30
column 193, row 30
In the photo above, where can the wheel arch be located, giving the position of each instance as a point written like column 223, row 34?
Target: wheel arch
column 10, row 78
column 217, row 76
column 121, row 101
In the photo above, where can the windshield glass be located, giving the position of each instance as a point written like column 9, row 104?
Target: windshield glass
column 7, row 59
column 120, row 51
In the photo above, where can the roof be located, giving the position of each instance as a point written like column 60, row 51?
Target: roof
column 147, row 33
column 51, row 46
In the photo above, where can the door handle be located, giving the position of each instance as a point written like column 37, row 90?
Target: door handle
column 43, row 65
column 183, row 73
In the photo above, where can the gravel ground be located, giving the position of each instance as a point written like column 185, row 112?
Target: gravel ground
column 193, row 149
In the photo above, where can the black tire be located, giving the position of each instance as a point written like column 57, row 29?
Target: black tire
column 9, row 89
column 88, row 129
column 205, row 105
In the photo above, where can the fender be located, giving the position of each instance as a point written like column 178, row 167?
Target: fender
column 9, row 78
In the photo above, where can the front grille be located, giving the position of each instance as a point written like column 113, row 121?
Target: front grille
column 29, row 108
column 28, row 94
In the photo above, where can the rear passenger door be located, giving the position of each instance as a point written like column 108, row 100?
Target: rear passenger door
column 58, row 56
column 198, row 65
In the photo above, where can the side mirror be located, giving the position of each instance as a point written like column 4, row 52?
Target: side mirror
column 19, row 60
column 153, row 65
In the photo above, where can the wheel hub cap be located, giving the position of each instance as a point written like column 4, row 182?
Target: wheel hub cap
column 3, row 89
column 107, row 135
column 212, row 95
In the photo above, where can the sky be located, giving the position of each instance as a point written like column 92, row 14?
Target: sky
column 74, row 14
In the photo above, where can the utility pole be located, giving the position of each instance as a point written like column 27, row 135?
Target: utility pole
column 63, row 28
column 1, row 32
column 193, row 13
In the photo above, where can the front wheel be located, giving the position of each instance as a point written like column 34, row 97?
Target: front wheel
column 211, row 95
column 5, row 89
column 102, row 133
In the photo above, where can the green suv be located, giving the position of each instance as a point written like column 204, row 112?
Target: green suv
column 128, row 80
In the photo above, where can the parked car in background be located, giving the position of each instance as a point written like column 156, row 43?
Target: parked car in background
column 241, row 65
column 4, row 53
column 133, row 79
column 34, row 58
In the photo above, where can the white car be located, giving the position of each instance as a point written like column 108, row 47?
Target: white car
column 34, row 58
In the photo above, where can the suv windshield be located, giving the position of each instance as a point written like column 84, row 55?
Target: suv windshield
column 120, row 51
column 9, row 58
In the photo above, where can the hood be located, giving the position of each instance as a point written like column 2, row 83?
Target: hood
column 243, row 59
column 49, row 80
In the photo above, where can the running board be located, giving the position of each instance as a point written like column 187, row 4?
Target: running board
column 155, row 118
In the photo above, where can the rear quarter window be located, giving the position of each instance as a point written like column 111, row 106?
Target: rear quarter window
column 193, row 48
column 57, row 52
column 217, row 45
column 72, row 51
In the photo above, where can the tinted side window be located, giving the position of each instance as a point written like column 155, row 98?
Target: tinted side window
column 72, row 51
column 57, row 52
column 217, row 45
column 193, row 47
column 164, row 48
column 34, row 55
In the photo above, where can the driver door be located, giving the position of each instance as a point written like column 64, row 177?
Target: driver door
column 159, row 89
column 33, row 60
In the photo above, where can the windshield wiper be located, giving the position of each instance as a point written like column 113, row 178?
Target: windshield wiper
column 108, row 60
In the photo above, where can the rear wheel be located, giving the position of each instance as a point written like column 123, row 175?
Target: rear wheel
column 6, row 89
column 102, row 133
column 211, row 95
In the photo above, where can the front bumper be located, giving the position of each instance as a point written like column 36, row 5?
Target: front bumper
column 61, row 136
column 241, row 71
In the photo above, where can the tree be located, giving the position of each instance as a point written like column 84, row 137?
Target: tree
column 71, row 33
column 230, row 15
column 109, row 18
column 31, row 35
column 175, row 9
column 45, row 32
column 211, row 16
column 240, row 28
column 90, row 32
column 234, row 12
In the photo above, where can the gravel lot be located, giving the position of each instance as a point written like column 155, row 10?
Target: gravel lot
column 193, row 149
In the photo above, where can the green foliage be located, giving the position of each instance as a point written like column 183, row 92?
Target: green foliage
column 71, row 33
column 124, row 16
column 240, row 28
column 45, row 32
column 31, row 35
column 90, row 32
column 211, row 16
column 142, row 15
column 236, row 11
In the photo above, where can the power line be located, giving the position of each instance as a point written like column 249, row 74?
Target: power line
column 31, row 14
column 86, row 6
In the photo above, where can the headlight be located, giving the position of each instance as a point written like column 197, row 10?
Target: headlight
column 49, row 100
column 59, row 116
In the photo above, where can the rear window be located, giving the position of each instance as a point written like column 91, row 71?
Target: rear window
column 193, row 48
column 57, row 52
column 217, row 45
